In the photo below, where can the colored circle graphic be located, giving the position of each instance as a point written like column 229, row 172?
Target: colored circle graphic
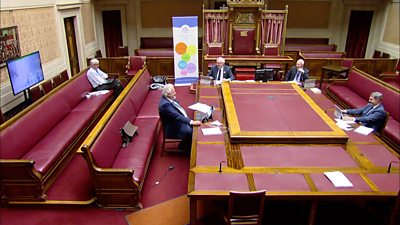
column 184, row 72
column 191, row 50
column 191, row 67
column 180, row 48
column 185, row 29
column 182, row 64
column 186, row 57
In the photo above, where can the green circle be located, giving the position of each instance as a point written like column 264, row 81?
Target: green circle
column 186, row 57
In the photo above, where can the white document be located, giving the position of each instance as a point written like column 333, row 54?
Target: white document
column 250, row 81
column 338, row 179
column 211, row 131
column 344, row 125
column 200, row 107
column 315, row 90
column 216, row 123
column 96, row 93
column 363, row 130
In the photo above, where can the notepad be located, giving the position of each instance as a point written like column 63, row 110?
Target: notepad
column 211, row 131
column 338, row 179
column 363, row 130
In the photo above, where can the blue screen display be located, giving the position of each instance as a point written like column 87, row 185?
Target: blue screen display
column 25, row 72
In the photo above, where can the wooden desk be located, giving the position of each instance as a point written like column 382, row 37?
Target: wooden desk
column 286, row 171
column 248, row 60
column 332, row 68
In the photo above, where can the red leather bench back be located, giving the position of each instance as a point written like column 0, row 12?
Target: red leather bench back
column 309, row 47
column 108, row 144
column 322, row 54
column 155, row 52
column 363, row 86
column 19, row 138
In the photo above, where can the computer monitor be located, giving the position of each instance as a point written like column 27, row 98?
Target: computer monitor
column 25, row 72
column 264, row 75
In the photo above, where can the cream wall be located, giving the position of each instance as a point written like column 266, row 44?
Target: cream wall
column 40, row 25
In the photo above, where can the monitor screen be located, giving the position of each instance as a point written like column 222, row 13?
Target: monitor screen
column 25, row 72
column 264, row 75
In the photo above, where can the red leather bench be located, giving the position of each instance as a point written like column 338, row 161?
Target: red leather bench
column 354, row 92
column 118, row 173
column 156, row 52
column 42, row 139
column 310, row 47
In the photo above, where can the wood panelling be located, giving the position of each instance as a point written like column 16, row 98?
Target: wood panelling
column 159, row 13
column 303, row 14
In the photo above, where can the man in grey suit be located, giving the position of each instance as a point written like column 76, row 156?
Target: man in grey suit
column 372, row 115
column 219, row 69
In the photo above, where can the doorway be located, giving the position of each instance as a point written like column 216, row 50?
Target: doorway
column 112, row 32
column 358, row 32
column 71, row 45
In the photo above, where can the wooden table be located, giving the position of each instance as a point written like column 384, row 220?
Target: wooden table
column 338, row 69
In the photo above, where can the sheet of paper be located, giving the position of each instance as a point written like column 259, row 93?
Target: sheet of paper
column 338, row 179
column 211, row 131
column 363, row 130
column 315, row 90
column 344, row 125
column 200, row 107
column 216, row 123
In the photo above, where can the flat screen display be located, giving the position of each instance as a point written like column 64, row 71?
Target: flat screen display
column 264, row 75
column 25, row 72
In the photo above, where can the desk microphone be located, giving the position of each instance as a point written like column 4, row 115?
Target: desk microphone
column 220, row 166
column 165, row 174
column 390, row 166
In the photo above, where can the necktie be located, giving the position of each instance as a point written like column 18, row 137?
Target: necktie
column 297, row 77
column 182, row 110
column 219, row 77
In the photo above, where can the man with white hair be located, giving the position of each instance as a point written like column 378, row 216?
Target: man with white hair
column 297, row 73
column 221, row 72
column 98, row 79
column 175, row 120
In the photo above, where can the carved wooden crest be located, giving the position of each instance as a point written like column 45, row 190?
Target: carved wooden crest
column 244, row 18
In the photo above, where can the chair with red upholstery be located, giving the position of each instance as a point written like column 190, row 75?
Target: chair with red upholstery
column 244, row 41
column 35, row 93
column 47, row 86
column 135, row 63
column 215, row 48
column 64, row 76
column 272, row 50
column 56, row 80
column 245, row 208
column 169, row 144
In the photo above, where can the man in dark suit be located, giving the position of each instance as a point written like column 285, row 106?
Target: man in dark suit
column 219, row 69
column 297, row 73
column 175, row 120
column 372, row 115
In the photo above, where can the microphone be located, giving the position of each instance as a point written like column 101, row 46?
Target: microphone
column 220, row 166
column 390, row 166
column 165, row 174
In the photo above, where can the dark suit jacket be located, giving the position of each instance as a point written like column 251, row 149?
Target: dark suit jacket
column 292, row 73
column 176, row 125
column 227, row 72
column 374, row 119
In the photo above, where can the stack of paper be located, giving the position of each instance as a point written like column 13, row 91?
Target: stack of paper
column 315, row 90
column 363, row 130
column 211, row 131
column 344, row 125
column 338, row 179
column 200, row 107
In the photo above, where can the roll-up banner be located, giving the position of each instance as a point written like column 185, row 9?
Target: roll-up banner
column 186, row 62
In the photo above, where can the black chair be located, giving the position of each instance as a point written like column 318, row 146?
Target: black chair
column 64, row 76
column 47, row 86
column 245, row 208
column 56, row 80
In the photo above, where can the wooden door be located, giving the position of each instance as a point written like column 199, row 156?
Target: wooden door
column 357, row 35
column 112, row 31
column 71, row 44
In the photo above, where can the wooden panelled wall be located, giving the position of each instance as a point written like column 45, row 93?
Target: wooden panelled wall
column 165, row 65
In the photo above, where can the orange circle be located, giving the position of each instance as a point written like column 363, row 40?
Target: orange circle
column 180, row 48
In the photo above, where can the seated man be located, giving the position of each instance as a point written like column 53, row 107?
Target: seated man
column 219, row 69
column 297, row 73
column 372, row 115
column 175, row 120
column 99, row 80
